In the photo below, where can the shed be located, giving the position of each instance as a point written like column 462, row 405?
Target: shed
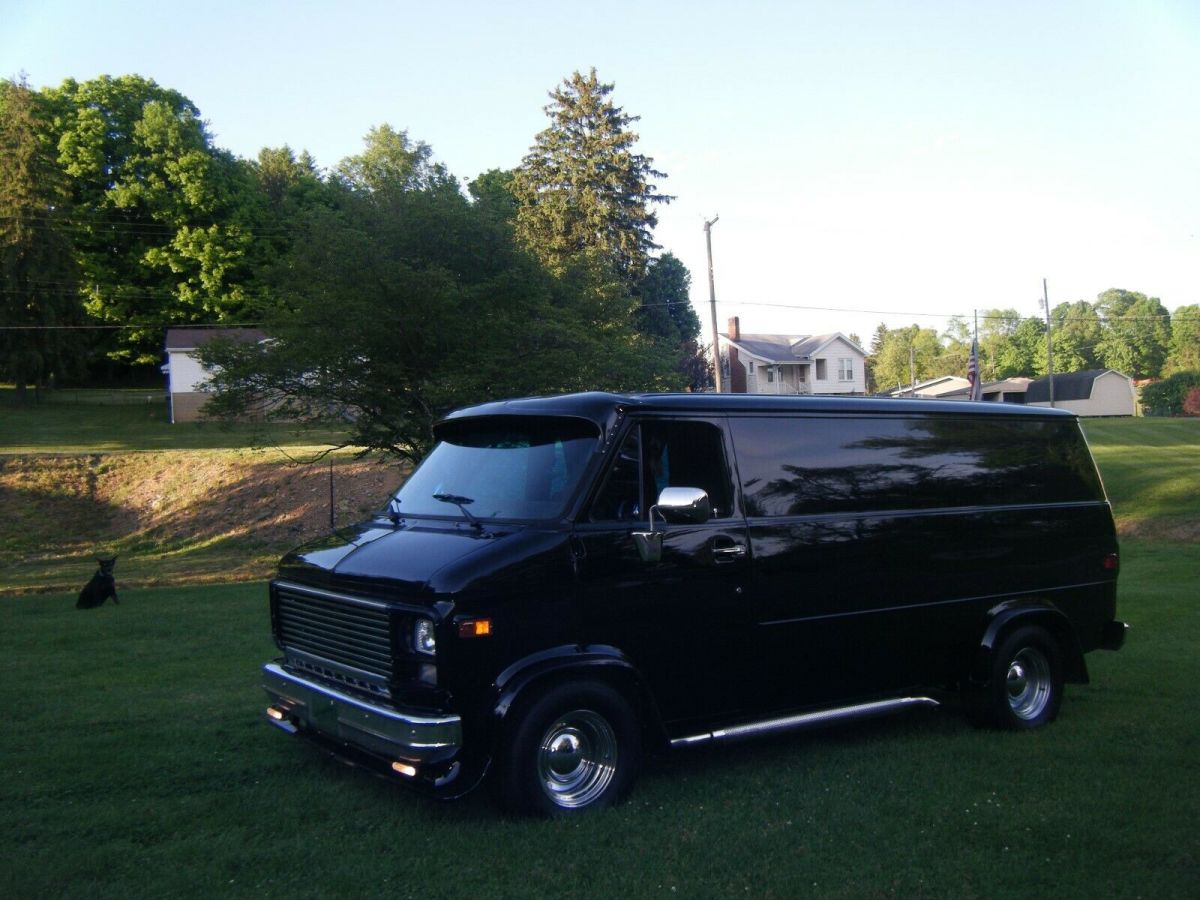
column 187, row 379
column 1096, row 392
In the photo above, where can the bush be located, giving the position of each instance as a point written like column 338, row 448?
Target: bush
column 1191, row 403
column 1166, row 397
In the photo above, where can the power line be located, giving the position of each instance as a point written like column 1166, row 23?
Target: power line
column 934, row 315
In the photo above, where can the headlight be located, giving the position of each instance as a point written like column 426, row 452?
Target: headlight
column 423, row 637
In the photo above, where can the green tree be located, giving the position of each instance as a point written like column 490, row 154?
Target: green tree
column 665, row 310
column 162, row 220
column 665, row 314
column 404, row 299
column 877, row 338
column 1076, row 337
column 1185, row 340
column 956, row 347
column 905, row 352
column 390, row 162
column 996, row 330
column 492, row 193
column 1023, row 353
column 582, row 186
column 1166, row 397
column 37, row 274
column 1137, row 333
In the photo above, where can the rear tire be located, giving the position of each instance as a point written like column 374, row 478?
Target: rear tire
column 1025, row 687
column 575, row 748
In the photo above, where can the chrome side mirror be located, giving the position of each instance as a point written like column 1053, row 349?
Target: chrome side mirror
column 682, row 505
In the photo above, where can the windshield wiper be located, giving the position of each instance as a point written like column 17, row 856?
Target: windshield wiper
column 461, row 503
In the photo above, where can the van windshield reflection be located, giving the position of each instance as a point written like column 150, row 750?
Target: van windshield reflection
column 510, row 467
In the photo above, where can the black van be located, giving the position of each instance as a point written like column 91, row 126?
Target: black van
column 568, row 581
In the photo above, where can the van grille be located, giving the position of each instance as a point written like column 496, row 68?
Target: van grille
column 324, row 631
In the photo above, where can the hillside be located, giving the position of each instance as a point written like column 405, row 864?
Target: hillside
column 201, row 514
column 171, row 516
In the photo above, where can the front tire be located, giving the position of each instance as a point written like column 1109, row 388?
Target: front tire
column 1026, row 686
column 577, row 747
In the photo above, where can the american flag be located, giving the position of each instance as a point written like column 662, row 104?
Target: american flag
column 973, row 372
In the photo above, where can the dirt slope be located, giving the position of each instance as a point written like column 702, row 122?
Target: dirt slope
column 172, row 516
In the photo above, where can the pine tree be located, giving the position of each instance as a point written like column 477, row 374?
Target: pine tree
column 582, row 187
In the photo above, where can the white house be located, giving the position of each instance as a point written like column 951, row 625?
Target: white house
column 187, row 379
column 792, row 364
column 1096, row 392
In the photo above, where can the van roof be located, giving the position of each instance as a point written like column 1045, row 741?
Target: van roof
column 603, row 408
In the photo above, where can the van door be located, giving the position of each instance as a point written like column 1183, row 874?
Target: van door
column 837, row 574
column 681, row 621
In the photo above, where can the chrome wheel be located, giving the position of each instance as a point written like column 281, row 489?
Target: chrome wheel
column 1029, row 683
column 577, row 758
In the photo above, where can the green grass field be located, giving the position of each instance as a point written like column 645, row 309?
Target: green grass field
column 83, row 421
column 1151, row 470
column 137, row 764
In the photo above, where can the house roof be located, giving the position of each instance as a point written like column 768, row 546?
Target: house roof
column 1068, row 386
column 1015, row 385
column 786, row 348
column 945, row 384
column 191, row 338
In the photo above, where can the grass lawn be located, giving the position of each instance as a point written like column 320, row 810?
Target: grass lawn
column 1151, row 470
column 82, row 421
column 137, row 765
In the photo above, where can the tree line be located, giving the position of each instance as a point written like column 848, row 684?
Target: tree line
column 391, row 290
column 1123, row 330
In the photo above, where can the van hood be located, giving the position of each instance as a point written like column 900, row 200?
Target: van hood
column 383, row 559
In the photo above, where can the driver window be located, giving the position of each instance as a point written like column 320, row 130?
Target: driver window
column 659, row 454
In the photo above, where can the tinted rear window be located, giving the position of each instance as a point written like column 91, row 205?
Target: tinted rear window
column 811, row 466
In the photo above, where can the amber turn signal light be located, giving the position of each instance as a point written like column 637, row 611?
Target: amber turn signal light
column 475, row 628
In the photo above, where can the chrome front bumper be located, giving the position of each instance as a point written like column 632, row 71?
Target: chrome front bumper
column 302, row 704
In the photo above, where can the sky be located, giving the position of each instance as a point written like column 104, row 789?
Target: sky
column 895, row 162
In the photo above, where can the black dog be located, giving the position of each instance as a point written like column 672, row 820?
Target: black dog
column 100, row 588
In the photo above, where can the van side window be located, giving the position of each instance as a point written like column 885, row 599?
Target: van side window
column 619, row 499
column 818, row 465
column 659, row 454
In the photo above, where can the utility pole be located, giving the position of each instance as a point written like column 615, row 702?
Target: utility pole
column 912, row 369
column 1049, row 347
column 712, row 305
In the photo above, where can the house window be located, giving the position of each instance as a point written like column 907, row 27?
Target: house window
column 820, row 370
column 845, row 370
column 770, row 374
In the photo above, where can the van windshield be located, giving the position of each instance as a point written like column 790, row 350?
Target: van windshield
column 500, row 467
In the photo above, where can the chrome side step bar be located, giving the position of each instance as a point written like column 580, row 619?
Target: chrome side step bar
column 821, row 717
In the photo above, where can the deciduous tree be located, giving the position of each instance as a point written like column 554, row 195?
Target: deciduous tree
column 902, row 346
column 406, row 300
column 162, row 220
column 37, row 274
column 1077, row 336
column 1137, row 333
column 1185, row 340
